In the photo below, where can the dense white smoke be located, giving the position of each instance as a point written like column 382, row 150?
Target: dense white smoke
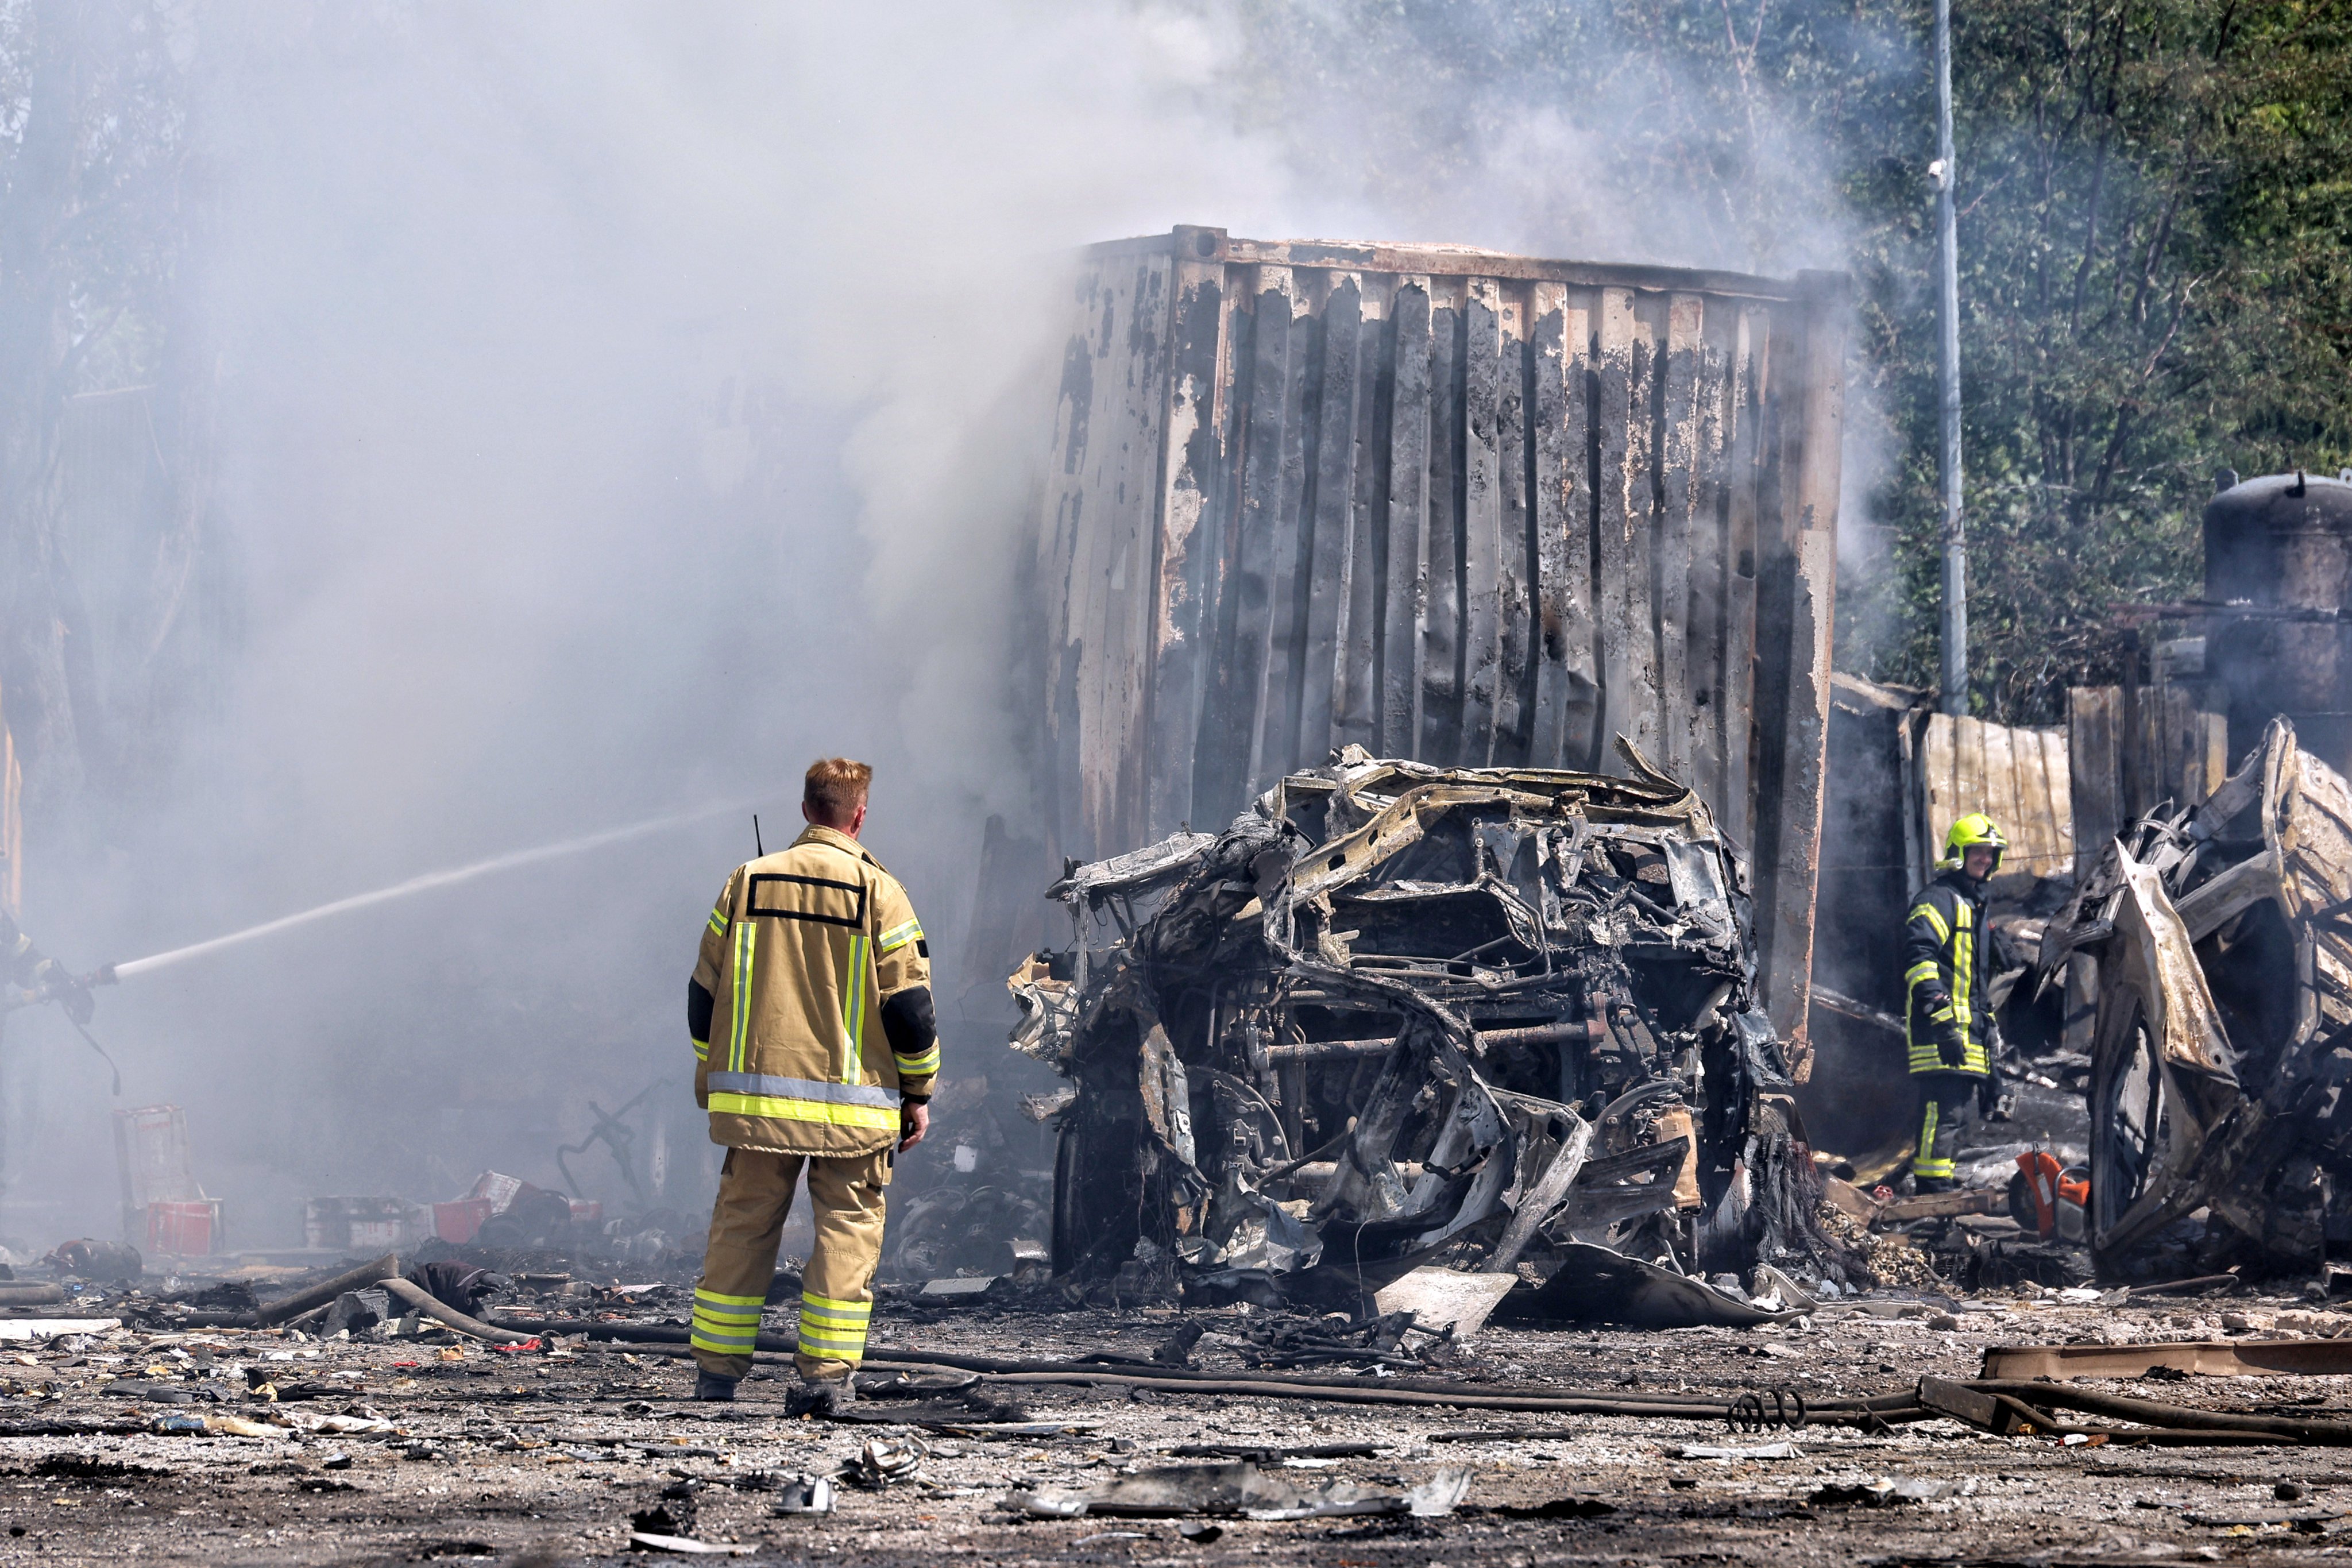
column 619, row 407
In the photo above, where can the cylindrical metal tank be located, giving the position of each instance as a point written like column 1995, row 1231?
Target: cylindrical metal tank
column 2278, row 570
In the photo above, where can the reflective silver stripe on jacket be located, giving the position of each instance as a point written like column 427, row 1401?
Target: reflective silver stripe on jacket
column 775, row 1088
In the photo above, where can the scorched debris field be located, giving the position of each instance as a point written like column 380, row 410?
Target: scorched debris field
column 400, row 1449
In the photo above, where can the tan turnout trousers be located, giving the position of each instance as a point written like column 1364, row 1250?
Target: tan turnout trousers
column 755, row 1193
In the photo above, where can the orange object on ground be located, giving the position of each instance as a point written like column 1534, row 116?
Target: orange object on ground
column 2054, row 1196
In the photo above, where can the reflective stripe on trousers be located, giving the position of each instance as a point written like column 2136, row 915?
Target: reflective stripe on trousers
column 847, row 1199
column 725, row 1325
column 1945, row 1101
column 833, row 1329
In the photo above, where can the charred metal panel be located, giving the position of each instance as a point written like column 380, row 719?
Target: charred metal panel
column 1191, row 508
column 1405, row 591
column 1113, row 402
column 1450, row 505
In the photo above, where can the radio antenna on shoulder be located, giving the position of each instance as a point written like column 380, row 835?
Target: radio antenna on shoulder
column 755, row 836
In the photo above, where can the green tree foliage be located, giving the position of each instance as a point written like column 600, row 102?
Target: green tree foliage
column 2152, row 228
column 100, row 210
column 2153, row 225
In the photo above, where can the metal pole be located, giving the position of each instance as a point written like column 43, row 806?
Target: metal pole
column 1947, row 381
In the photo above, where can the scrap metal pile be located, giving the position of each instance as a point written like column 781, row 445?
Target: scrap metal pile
column 1503, row 1021
column 2208, row 958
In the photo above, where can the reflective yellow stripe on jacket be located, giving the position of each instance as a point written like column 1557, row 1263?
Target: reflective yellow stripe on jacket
column 738, row 1037
column 805, row 949
column 805, row 1100
column 853, row 1011
column 1955, row 973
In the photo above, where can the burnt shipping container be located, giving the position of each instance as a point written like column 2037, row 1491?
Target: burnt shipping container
column 1451, row 505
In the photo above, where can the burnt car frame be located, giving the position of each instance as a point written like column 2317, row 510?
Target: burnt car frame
column 1400, row 1014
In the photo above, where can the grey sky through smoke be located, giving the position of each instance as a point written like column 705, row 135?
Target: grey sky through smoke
column 619, row 407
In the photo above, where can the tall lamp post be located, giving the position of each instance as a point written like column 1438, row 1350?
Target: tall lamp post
column 1947, row 382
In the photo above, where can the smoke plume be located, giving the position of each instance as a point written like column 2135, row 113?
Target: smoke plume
column 619, row 405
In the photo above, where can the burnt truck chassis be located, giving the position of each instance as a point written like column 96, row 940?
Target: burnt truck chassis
column 2211, row 949
column 1400, row 1014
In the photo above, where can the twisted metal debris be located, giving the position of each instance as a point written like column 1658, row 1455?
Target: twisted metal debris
column 1399, row 1015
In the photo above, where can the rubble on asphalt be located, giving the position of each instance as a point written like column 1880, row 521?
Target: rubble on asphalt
column 402, row 1441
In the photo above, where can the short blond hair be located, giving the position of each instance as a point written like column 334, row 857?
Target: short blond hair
column 835, row 788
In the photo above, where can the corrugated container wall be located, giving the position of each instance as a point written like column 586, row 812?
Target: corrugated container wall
column 1474, row 509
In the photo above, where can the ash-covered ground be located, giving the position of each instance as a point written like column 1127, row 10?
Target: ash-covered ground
column 549, row 1455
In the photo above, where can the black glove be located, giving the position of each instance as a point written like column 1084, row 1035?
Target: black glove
column 1951, row 1041
column 70, row 992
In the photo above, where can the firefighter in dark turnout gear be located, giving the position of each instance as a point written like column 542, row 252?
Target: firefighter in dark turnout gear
column 28, row 968
column 1948, row 1016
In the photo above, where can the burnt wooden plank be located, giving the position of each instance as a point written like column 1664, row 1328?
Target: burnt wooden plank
column 1262, row 352
column 2094, row 768
column 1481, row 520
column 1355, row 685
column 1191, row 518
column 1710, row 556
column 1329, row 526
column 2042, row 774
column 1441, row 664
column 1740, row 733
column 2057, row 773
column 1624, row 632
column 1677, row 455
column 2007, row 801
column 1405, row 585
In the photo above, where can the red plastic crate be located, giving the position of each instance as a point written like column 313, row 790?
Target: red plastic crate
column 456, row 1222
column 183, row 1227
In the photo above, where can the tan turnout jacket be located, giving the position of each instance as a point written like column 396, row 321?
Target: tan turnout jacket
column 804, row 947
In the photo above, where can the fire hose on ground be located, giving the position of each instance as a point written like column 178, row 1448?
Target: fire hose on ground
column 2005, row 1406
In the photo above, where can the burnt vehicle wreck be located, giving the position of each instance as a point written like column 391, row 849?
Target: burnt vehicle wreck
column 1399, row 1015
column 2213, row 942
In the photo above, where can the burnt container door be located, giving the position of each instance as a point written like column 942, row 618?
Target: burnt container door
column 1470, row 509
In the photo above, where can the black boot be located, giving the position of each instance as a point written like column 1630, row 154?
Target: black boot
column 711, row 1386
column 820, row 1397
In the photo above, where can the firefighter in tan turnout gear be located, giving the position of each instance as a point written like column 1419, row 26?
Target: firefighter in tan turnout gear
column 814, row 1049
column 1948, row 1016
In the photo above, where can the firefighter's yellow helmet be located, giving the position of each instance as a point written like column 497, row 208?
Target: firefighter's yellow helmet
column 1969, row 831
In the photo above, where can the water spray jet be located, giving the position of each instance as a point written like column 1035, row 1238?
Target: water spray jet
column 413, row 886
